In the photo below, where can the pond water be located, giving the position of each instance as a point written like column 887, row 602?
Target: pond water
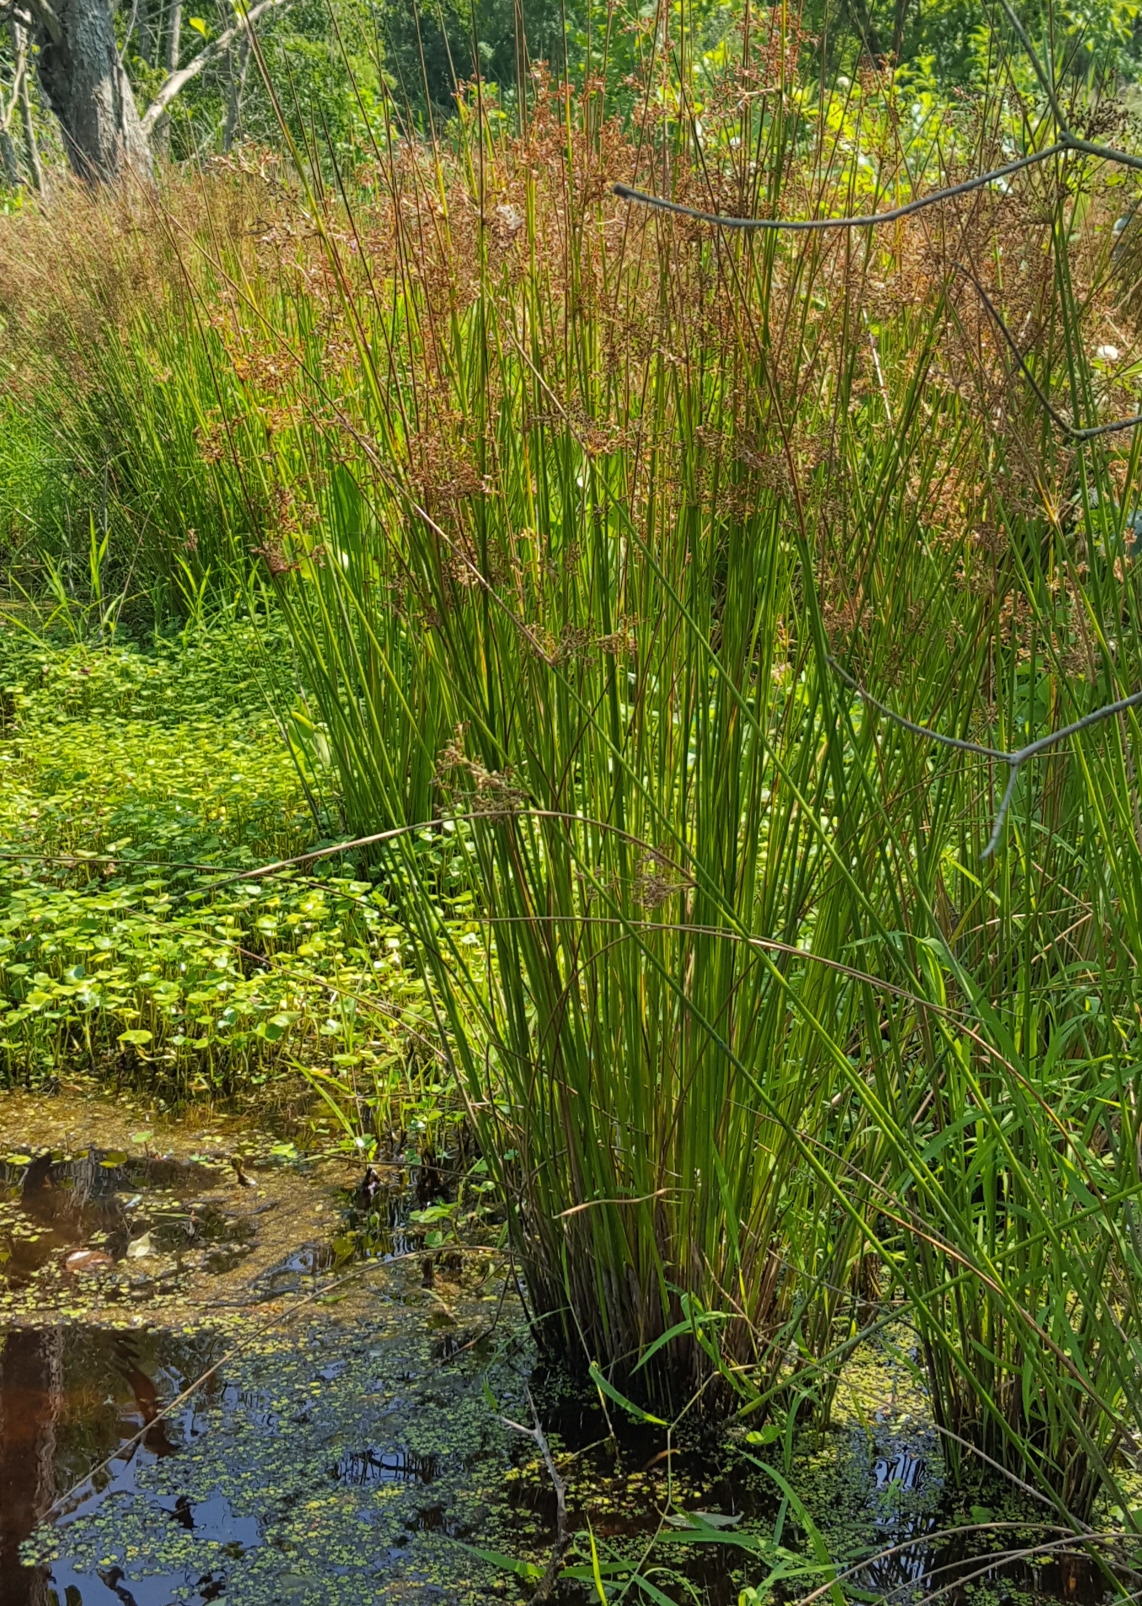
column 358, row 1449
column 70, row 1399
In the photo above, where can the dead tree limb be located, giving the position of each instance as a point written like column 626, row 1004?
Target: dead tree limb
column 1068, row 140
column 864, row 220
column 1015, row 761
column 562, row 1537
column 177, row 81
column 1072, row 431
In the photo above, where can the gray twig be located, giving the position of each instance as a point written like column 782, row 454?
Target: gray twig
column 134, row 17
column 1014, row 761
column 1073, row 431
column 864, row 220
column 562, row 1537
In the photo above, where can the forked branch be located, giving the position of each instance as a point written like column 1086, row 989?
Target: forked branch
column 1015, row 761
column 562, row 1537
column 177, row 81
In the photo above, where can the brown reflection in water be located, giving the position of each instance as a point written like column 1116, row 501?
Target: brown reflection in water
column 69, row 1398
column 31, row 1396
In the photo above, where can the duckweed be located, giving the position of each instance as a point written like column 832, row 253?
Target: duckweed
column 274, row 1446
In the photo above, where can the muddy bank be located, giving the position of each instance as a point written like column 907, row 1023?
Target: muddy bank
column 105, row 1220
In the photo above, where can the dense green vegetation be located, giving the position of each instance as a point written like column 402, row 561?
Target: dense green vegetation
column 143, row 781
column 552, row 545
column 343, row 71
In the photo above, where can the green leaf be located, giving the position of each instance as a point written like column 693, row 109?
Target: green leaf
column 816, row 1540
column 496, row 1558
column 199, row 26
column 619, row 1570
column 696, row 1532
column 702, row 1519
column 612, row 1393
column 663, row 1339
column 597, row 1575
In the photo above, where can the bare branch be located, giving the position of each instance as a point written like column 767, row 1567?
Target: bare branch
column 6, row 113
column 547, row 1582
column 177, row 81
column 1015, row 760
column 910, row 725
column 1106, row 153
column 20, row 36
column 1068, row 141
column 134, row 17
column 1091, row 432
column 862, row 221
column 11, row 12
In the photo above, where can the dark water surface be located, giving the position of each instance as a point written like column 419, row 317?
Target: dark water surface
column 336, row 1459
column 364, row 1458
column 874, row 1487
column 70, row 1399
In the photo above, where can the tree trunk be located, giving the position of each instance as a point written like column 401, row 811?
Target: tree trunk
column 172, row 46
column 239, row 63
column 174, row 36
column 27, row 125
column 84, row 83
column 146, row 34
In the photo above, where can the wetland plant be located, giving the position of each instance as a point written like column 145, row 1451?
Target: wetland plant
column 572, row 509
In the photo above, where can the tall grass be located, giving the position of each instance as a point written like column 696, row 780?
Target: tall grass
column 568, row 508
column 758, row 1009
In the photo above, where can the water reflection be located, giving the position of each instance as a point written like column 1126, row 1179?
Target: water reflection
column 905, row 1470
column 362, row 1468
column 104, row 1214
column 916, row 1565
column 31, row 1374
column 70, row 1398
